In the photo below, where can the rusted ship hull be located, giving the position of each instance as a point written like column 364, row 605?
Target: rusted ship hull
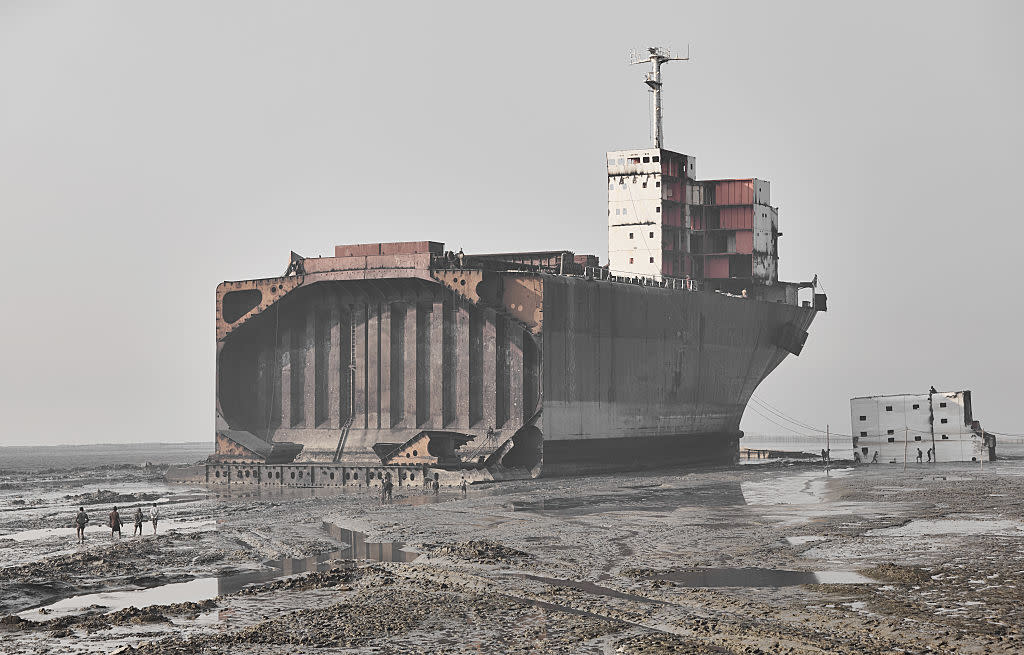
column 407, row 361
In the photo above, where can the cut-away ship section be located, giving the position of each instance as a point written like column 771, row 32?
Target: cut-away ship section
column 408, row 360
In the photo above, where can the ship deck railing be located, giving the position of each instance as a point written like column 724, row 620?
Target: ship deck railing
column 447, row 263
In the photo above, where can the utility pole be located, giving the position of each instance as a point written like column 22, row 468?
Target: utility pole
column 931, row 423
column 906, row 439
column 656, row 56
column 828, row 447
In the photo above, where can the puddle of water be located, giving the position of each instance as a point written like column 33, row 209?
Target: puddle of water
column 804, row 488
column 757, row 577
column 918, row 528
column 111, row 601
column 101, row 531
column 588, row 587
column 356, row 548
column 360, row 548
column 653, row 499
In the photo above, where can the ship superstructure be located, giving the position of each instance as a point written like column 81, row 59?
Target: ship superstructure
column 412, row 361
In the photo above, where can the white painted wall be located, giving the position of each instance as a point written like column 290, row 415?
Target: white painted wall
column 906, row 424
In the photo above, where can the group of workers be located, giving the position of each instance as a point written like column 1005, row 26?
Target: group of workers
column 388, row 487
column 114, row 521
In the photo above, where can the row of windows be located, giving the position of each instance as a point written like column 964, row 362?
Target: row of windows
column 649, row 234
column 622, row 183
column 635, row 160
column 893, row 439
column 888, row 408
column 631, row 260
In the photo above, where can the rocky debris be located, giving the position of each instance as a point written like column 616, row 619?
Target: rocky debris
column 895, row 573
column 339, row 576
column 484, row 552
column 104, row 496
column 663, row 643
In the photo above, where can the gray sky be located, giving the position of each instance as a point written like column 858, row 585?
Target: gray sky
column 151, row 150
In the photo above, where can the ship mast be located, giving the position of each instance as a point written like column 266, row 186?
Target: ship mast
column 656, row 56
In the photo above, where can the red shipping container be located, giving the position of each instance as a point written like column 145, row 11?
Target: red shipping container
column 716, row 267
column 745, row 242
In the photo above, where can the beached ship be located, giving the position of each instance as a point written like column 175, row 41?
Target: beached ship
column 410, row 360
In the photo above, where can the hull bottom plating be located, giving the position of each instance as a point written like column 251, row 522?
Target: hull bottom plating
column 572, row 457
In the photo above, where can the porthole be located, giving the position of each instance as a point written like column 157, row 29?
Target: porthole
column 277, row 475
column 380, row 476
column 293, row 475
column 355, row 476
column 348, row 476
column 332, row 475
column 300, row 475
column 248, row 473
column 412, row 476
column 217, row 474
column 404, row 475
column 407, row 455
column 414, row 453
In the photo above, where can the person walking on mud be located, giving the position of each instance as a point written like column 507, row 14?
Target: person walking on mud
column 138, row 522
column 920, row 455
column 115, row 523
column 387, row 489
column 437, row 487
column 80, row 522
column 462, row 485
column 931, row 453
column 154, row 516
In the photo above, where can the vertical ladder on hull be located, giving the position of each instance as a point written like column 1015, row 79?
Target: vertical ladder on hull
column 343, row 437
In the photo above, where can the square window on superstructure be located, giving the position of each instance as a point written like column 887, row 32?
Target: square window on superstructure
column 652, row 260
column 621, row 161
column 945, row 437
column 630, row 235
column 618, row 212
column 891, row 439
column 630, row 260
column 917, row 438
column 945, row 420
column 645, row 185
column 657, row 184
column 916, row 406
column 657, row 210
column 942, row 404
column 652, row 235
column 634, row 160
column 863, row 434
column 647, row 160
column 888, row 408
column 889, row 432
column 655, row 159
column 625, row 211
column 863, row 418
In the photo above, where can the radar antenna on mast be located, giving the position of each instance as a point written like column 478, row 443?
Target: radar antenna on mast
column 656, row 56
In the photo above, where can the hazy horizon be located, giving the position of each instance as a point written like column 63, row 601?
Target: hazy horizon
column 150, row 151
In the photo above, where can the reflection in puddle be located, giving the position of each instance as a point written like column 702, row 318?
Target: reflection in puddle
column 654, row 499
column 356, row 548
column 360, row 548
column 757, row 577
column 919, row 528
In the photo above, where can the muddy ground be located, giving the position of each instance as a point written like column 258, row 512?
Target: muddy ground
column 780, row 557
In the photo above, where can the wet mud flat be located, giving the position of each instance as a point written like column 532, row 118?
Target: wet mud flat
column 767, row 558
